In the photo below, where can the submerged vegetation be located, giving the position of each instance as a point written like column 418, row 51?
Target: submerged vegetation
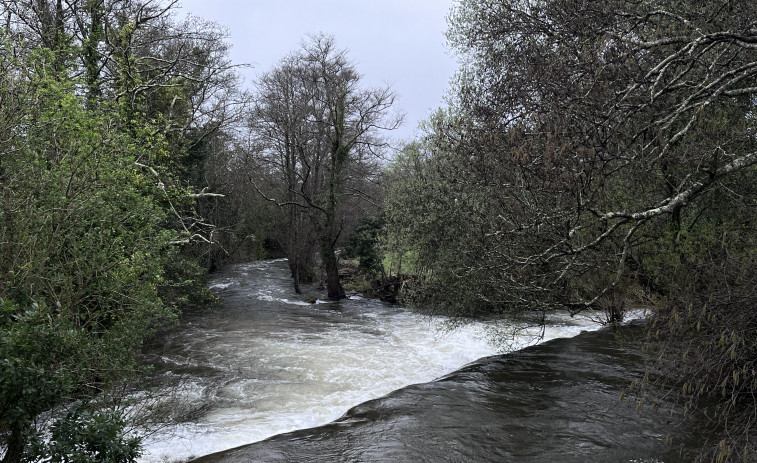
column 592, row 157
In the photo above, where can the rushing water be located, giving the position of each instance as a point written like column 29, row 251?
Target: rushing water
column 265, row 362
column 555, row 402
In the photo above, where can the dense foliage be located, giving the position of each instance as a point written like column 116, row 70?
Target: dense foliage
column 364, row 244
column 84, row 242
column 600, row 155
column 100, row 106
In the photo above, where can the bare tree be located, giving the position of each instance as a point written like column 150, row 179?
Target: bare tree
column 138, row 54
column 314, row 128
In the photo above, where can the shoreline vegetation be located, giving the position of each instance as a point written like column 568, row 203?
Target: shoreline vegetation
column 587, row 156
column 385, row 287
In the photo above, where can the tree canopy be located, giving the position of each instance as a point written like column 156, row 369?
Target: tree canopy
column 317, row 133
column 599, row 155
column 100, row 105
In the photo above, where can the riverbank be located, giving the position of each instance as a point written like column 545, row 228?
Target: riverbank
column 384, row 287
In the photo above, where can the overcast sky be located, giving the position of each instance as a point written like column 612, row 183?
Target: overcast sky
column 395, row 42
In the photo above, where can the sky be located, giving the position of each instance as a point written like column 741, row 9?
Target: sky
column 399, row 43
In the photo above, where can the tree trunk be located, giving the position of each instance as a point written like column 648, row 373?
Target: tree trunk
column 296, row 275
column 333, row 284
column 15, row 447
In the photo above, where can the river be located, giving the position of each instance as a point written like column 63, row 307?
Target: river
column 265, row 366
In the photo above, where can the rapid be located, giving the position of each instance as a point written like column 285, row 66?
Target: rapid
column 265, row 362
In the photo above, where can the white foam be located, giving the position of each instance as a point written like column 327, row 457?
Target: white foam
column 318, row 377
column 220, row 285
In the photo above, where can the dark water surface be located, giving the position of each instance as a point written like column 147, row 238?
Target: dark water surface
column 555, row 402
